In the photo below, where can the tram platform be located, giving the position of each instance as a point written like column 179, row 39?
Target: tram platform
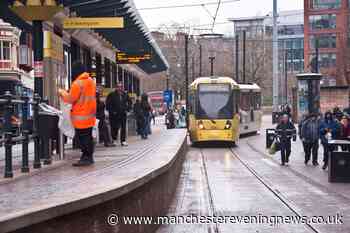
column 313, row 174
column 146, row 170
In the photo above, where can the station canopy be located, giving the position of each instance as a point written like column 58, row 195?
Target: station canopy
column 134, row 38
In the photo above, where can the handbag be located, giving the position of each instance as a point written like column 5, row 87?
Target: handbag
column 65, row 122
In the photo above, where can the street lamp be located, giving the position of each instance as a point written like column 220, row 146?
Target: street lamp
column 212, row 39
column 212, row 58
column 37, row 11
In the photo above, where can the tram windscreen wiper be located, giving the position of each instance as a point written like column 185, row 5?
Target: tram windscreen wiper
column 212, row 121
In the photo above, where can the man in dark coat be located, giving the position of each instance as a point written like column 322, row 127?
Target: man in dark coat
column 310, row 135
column 138, row 116
column 285, row 131
column 102, row 124
column 118, row 104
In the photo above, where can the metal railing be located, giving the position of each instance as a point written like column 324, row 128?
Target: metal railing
column 27, row 133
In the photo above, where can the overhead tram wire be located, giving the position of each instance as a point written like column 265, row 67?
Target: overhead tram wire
column 216, row 15
column 187, row 5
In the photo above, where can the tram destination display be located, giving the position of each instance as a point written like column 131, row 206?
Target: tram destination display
column 134, row 58
column 214, row 88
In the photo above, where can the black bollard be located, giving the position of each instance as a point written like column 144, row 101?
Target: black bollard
column 45, row 143
column 8, row 135
column 25, row 134
column 37, row 147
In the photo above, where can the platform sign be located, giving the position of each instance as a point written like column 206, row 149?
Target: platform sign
column 86, row 23
column 168, row 97
column 124, row 58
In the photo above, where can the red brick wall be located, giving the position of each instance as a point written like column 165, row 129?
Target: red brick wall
column 337, row 72
column 331, row 97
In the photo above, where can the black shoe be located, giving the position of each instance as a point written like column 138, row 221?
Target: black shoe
column 306, row 162
column 83, row 163
column 315, row 163
column 282, row 164
column 324, row 167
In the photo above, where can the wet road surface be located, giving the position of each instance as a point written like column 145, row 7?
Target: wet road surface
column 215, row 182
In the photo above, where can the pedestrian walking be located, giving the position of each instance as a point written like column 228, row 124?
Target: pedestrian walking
column 337, row 113
column 138, row 115
column 310, row 135
column 300, row 126
column 103, row 129
column 82, row 96
column 328, row 131
column 285, row 131
column 345, row 131
column 118, row 104
column 153, row 112
column 146, row 112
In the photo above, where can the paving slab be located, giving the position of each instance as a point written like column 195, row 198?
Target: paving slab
column 310, row 173
column 66, row 189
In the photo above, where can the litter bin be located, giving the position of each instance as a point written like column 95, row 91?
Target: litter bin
column 270, row 136
column 339, row 163
column 47, row 129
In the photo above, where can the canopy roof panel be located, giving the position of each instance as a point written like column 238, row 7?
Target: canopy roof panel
column 133, row 38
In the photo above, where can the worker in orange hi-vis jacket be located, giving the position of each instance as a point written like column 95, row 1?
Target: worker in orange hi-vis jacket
column 82, row 96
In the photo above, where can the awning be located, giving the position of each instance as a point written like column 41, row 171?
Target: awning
column 133, row 38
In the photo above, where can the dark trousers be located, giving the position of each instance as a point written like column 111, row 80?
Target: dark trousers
column 311, row 147
column 285, row 151
column 118, row 123
column 86, row 143
column 103, row 130
column 327, row 149
column 139, row 125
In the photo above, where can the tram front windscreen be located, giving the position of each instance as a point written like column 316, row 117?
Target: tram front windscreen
column 215, row 101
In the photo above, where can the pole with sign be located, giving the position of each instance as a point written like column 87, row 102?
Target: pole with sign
column 168, row 97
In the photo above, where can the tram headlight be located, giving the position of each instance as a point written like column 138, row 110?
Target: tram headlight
column 200, row 125
column 228, row 125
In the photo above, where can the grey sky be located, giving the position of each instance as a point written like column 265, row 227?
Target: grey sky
column 199, row 16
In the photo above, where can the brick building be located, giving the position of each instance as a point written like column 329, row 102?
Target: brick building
column 259, row 51
column 173, row 48
column 328, row 22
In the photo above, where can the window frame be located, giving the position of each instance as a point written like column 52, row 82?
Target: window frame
column 2, row 48
column 316, row 24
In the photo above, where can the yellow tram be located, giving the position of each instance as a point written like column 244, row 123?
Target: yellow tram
column 221, row 109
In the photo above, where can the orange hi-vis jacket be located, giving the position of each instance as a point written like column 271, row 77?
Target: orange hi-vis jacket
column 82, row 96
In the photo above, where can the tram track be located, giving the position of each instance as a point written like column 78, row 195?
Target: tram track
column 210, row 193
column 274, row 191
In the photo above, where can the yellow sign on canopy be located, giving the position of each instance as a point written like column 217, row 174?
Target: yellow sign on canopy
column 81, row 23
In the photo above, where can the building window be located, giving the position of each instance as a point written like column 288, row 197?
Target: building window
column 294, row 50
column 322, row 21
column 326, row 60
column 5, row 50
column 284, row 30
column 325, row 4
column 324, row 41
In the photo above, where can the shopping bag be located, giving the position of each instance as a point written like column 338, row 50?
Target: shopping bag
column 65, row 122
column 275, row 146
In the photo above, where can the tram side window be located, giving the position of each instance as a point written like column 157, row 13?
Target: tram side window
column 245, row 101
column 192, row 101
column 236, row 101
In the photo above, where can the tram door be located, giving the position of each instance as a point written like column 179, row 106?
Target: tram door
column 252, row 103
